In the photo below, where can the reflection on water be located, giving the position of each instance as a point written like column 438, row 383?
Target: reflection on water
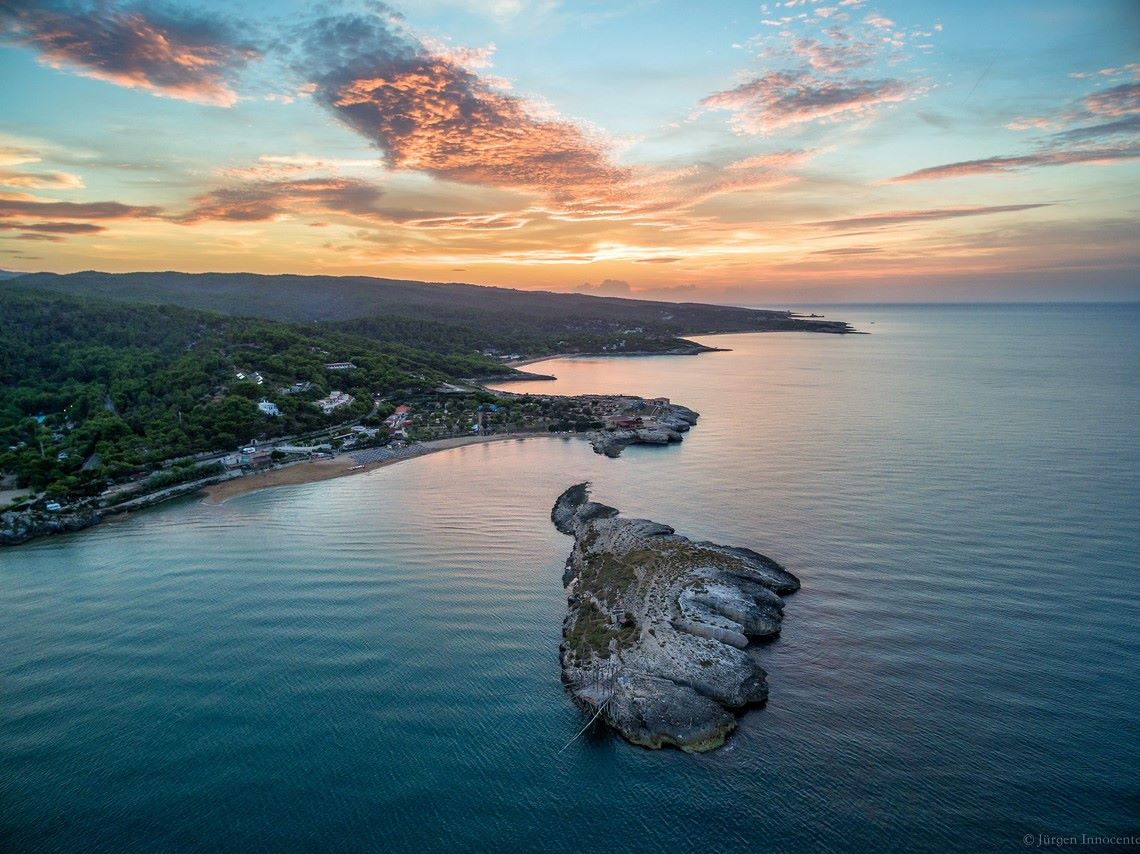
column 372, row 662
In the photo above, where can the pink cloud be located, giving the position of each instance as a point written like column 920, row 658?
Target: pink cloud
column 996, row 165
column 834, row 58
column 1118, row 101
column 780, row 99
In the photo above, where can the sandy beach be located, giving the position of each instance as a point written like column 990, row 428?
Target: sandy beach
column 311, row 472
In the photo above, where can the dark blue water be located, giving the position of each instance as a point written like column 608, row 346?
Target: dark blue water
column 371, row 663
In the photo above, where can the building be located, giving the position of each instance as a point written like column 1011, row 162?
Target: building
column 340, row 366
column 398, row 418
column 625, row 422
column 268, row 408
column 261, row 458
column 333, row 401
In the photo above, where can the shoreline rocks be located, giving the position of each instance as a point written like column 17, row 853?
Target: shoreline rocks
column 666, row 425
column 17, row 527
column 657, row 641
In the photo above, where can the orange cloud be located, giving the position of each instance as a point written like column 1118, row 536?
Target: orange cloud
column 191, row 59
column 429, row 112
column 40, row 180
column 906, row 217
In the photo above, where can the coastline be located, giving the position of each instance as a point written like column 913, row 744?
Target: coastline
column 318, row 470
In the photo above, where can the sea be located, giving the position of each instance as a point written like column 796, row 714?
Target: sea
column 371, row 663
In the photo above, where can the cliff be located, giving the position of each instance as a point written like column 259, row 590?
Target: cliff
column 657, row 641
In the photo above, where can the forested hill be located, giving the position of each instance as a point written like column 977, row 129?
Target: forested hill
column 95, row 389
column 494, row 311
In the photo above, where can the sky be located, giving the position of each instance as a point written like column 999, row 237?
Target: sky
column 750, row 152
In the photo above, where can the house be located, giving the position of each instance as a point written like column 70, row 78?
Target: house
column 340, row 366
column 269, row 408
column 261, row 458
column 53, row 507
column 398, row 418
column 334, row 400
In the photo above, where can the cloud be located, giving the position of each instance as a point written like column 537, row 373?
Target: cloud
column 1127, row 126
column 1015, row 163
column 40, row 180
column 905, row 217
column 16, row 155
column 1120, row 100
column 34, row 235
column 822, row 65
column 780, row 99
column 669, row 293
column 428, row 112
column 848, row 251
column 834, row 58
column 1031, row 123
column 76, row 210
column 54, row 221
column 478, row 222
column 607, row 288
column 659, row 259
column 53, row 227
column 257, row 201
column 774, row 160
column 172, row 54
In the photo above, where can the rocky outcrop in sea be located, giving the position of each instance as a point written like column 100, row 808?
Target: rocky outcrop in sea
column 658, row 638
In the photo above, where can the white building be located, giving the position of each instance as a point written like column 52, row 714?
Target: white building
column 269, row 408
column 334, row 400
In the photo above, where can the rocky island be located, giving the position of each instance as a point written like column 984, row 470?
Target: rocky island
column 637, row 421
column 657, row 641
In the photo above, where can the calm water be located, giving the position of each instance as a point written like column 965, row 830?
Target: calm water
column 371, row 663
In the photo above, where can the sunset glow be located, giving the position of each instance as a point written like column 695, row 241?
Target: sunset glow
column 807, row 150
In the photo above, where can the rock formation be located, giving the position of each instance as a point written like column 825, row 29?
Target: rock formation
column 657, row 638
column 666, row 425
